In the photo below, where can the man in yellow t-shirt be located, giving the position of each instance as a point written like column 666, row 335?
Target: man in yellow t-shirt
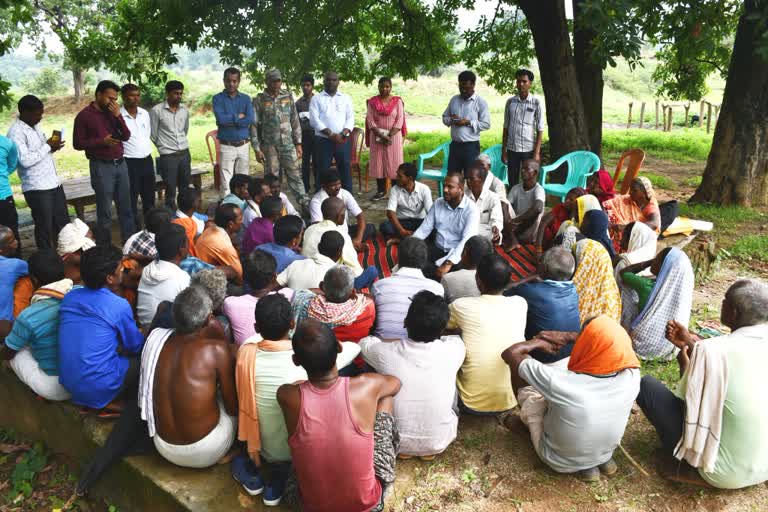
column 489, row 324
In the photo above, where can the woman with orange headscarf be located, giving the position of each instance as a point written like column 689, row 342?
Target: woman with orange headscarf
column 640, row 205
column 577, row 416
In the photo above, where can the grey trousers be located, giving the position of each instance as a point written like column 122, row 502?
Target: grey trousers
column 109, row 179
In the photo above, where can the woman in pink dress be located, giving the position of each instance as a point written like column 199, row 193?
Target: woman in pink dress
column 384, row 132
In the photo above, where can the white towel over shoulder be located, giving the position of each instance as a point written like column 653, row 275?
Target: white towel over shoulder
column 149, row 355
column 706, row 385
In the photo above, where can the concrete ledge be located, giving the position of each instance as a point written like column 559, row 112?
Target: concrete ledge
column 137, row 483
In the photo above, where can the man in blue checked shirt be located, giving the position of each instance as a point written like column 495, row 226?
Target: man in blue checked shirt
column 234, row 115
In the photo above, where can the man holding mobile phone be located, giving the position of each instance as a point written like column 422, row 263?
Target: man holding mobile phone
column 39, row 182
column 100, row 131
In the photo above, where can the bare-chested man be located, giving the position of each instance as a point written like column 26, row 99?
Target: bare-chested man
column 187, row 390
column 351, row 420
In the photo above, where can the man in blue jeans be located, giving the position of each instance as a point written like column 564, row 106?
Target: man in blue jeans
column 100, row 131
column 333, row 118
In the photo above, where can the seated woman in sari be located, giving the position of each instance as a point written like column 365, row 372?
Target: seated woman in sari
column 553, row 219
column 669, row 298
column 638, row 244
column 640, row 205
column 598, row 292
column 594, row 225
column 600, row 185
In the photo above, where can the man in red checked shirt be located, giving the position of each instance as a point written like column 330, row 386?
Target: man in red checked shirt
column 100, row 131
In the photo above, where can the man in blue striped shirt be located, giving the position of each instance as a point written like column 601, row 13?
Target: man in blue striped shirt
column 234, row 116
column 9, row 160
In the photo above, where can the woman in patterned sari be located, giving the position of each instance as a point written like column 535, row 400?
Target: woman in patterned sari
column 640, row 205
column 385, row 130
column 598, row 291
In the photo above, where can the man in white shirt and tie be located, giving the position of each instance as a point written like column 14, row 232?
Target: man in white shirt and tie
column 137, row 151
column 39, row 182
column 333, row 118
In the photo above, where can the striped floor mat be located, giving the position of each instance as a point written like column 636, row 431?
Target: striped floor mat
column 377, row 253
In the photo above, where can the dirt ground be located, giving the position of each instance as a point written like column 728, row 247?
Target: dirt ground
column 491, row 469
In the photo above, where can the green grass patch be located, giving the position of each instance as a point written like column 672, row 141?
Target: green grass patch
column 727, row 219
column 659, row 181
column 693, row 181
column 751, row 247
column 666, row 371
column 685, row 145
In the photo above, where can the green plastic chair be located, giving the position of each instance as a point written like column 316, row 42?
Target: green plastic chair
column 434, row 174
column 498, row 168
column 581, row 164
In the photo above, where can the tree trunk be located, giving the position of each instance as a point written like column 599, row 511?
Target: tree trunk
column 78, row 78
column 565, row 112
column 737, row 167
column 590, row 77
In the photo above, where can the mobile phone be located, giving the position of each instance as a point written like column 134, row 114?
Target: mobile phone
column 56, row 136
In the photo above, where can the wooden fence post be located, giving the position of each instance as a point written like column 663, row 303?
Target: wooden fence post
column 717, row 112
column 701, row 113
column 686, row 107
column 629, row 116
column 642, row 113
column 669, row 119
column 709, row 115
column 657, row 114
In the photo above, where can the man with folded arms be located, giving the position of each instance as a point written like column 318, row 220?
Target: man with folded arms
column 234, row 116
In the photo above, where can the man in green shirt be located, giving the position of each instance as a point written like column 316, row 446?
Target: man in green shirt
column 742, row 455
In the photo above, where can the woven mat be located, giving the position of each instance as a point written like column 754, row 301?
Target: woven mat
column 377, row 253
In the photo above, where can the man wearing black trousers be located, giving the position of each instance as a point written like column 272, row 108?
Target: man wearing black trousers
column 138, row 151
column 39, row 182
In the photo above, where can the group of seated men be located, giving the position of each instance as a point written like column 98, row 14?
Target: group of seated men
column 246, row 333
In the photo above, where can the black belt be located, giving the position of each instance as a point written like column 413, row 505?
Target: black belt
column 236, row 144
column 113, row 161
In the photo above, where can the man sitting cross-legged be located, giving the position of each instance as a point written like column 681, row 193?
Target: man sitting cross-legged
column 393, row 294
column 288, row 233
column 488, row 324
column 462, row 283
column 454, row 219
column 98, row 337
column 331, row 187
column 426, row 364
column 74, row 239
column 334, row 212
column 337, row 304
column 273, row 182
column 32, row 345
column 187, row 391
column 162, row 279
column 553, row 302
column 409, row 202
column 261, row 230
column 527, row 201
column 264, row 363
column 259, row 269
column 141, row 246
column 309, row 273
column 215, row 245
column 717, row 417
column 342, row 435
column 487, row 202
column 577, row 416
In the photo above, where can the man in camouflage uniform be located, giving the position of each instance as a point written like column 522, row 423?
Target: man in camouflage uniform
column 276, row 134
